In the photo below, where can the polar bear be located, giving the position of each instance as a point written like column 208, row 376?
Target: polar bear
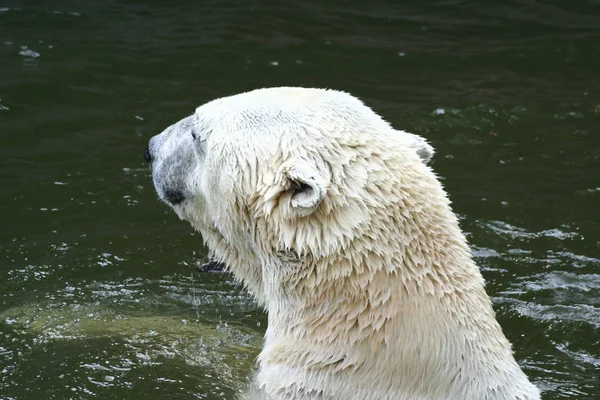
column 335, row 223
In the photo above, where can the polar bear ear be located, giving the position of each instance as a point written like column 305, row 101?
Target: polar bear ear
column 309, row 188
column 424, row 150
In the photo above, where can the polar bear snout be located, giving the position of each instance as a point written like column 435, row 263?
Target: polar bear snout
column 171, row 158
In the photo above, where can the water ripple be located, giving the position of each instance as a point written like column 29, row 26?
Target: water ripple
column 146, row 326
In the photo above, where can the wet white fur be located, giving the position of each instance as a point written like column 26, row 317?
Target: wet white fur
column 368, row 281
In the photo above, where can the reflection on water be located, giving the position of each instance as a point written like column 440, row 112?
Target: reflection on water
column 98, row 297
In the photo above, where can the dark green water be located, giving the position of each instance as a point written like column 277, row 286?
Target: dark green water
column 98, row 295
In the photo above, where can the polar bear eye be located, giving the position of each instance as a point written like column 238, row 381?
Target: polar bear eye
column 194, row 134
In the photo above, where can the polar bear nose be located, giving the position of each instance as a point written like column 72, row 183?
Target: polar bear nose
column 147, row 155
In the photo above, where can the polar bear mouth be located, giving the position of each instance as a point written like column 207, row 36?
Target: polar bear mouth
column 173, row 197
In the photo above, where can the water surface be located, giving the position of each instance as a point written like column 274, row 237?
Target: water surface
column 98, row 295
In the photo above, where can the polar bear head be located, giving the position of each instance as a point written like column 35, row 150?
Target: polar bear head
column 275, row 175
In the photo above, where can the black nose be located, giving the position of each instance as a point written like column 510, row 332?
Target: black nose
column 147, row 155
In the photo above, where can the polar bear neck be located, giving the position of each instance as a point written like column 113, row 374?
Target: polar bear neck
column 408, row 242
column 407, row 295
column 351, row 294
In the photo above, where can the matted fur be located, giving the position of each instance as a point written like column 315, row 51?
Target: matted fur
column 336, row 224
